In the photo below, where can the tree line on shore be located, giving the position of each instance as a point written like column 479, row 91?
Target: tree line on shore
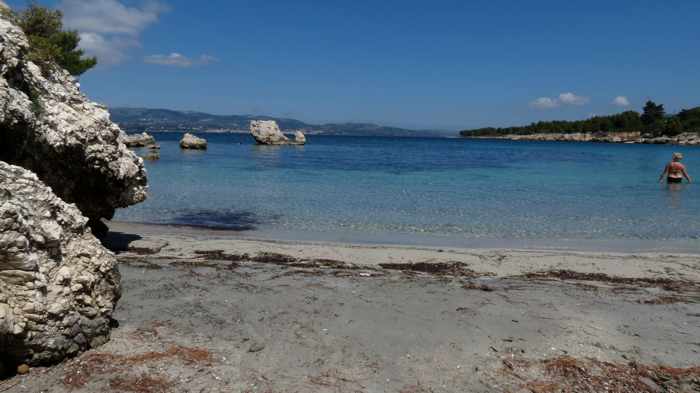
column 653, row 121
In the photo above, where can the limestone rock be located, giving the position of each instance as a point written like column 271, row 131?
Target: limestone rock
column 267, row 132
column 58, row 284
column 49, row 127
column 190, row 141
column 299, row 138
column 147, row 246
column 139, row 140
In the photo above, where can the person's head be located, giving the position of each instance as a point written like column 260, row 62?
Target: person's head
column 677, row 157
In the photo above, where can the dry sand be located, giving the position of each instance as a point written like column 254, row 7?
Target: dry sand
column 212, row 312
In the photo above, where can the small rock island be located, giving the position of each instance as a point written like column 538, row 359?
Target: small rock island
column 267, row 132
column 193, row 142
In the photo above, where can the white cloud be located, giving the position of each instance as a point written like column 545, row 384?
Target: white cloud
column 108, row 28
column 621, row 101
column 555, row 102
column 179, row 60
column 572, row 99
column 545, row 103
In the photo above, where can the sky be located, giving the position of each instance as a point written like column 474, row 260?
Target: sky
column 419, row 64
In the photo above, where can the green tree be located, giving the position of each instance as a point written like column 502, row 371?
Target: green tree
column 673, row 127
column 50, row 44
column 652, row 113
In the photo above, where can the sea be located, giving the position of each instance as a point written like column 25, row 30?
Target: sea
column 441, row 192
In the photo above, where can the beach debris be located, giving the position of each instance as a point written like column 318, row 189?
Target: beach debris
column 193, row 142
column 478, row 286
column 571, row 374
column 267, row 132
column 664, row 283
column 139, row 140
column 52, row 129
column 58, row 284
column 435, row 268
column 80, row 371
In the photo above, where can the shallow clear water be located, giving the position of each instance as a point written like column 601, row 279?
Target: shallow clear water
column 422, row 191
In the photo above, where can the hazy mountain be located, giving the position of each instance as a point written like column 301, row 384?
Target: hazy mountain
column 157, row 120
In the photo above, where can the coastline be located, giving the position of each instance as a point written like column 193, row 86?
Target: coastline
column 424, row 241
column 685, row 139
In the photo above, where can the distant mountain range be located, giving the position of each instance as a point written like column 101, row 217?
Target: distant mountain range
column 162, row 120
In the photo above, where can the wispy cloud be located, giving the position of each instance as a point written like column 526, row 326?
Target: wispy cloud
column 109, row 28
column 572, row 99
column 563, row 99
column 621, row 101
column 179, row 60
column 545, row 103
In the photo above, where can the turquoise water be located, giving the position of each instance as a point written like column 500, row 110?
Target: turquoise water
column 423, row 191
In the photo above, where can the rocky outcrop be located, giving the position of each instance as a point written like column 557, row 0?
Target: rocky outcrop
column 139, row 140
column 58, row 284
column 50, row 128
column 190, row 141
column 267, row 132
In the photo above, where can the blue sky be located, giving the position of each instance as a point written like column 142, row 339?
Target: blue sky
column 421, row 64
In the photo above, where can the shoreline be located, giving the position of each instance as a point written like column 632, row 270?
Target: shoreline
column 630, row 138
column 434, row 242
column 187, row 242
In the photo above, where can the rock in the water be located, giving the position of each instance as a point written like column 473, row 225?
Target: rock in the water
column 58, row 284
column 49, row 127
column 267, row 132
column 139, row 140
column 299, row 138
column 190, row 141
column 152, row 155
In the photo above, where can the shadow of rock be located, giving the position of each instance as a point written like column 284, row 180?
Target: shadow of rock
column 217, row 219
column 119, row 242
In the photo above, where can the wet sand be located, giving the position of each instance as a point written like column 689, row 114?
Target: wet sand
column 212, row 312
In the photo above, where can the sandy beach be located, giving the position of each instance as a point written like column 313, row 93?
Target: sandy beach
column 209, row 311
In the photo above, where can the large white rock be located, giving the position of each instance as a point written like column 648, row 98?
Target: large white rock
column 58, row 284
column 190, row 141
column 267, row 132
column 48, row 126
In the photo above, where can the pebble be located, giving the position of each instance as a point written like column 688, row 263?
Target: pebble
column 256, row 347
column 22, row 369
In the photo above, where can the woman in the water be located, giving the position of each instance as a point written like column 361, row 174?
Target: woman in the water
column 674, row 172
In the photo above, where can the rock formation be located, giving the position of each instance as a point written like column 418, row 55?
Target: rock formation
column 139, row 140
column 58, row 285
column 299, row 138
column 267, row 132
column 50, row 128
column 190, row 141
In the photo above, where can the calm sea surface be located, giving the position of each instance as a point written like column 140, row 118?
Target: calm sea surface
column 426, row 191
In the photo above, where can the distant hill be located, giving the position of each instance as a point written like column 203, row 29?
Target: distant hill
column 157, row 120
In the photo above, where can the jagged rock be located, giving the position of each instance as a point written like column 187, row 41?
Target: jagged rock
column 139, row 140
column 267, row 132
column 58, row 284
column 48, row 126
column 190, row 141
